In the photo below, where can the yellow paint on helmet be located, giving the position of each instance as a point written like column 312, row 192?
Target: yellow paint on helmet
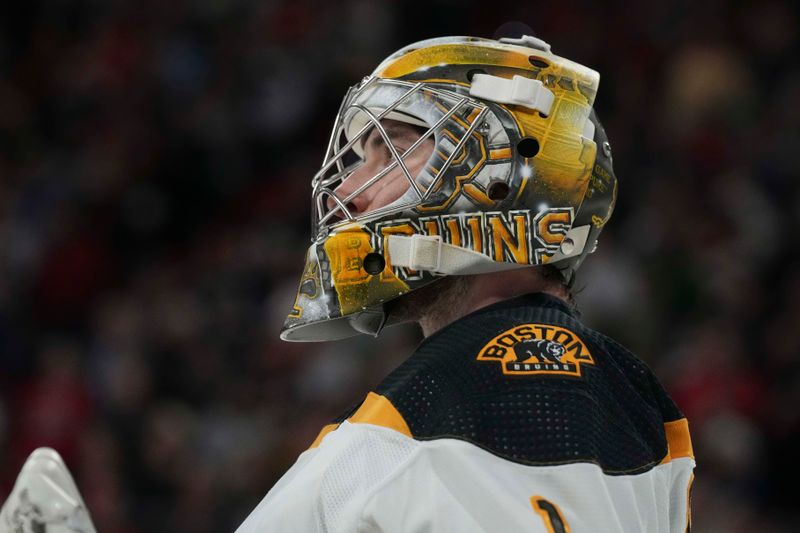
column 355, row 288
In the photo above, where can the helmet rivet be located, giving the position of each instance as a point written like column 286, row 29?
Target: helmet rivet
column 607, row 148
column 497, row 190
column 374, row 263
column 567, row 246
column 528, row 147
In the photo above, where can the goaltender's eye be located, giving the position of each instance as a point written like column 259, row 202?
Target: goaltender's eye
column 377, row 151
column 402, row 136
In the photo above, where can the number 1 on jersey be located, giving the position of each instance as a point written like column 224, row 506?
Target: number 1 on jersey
column 551, row 515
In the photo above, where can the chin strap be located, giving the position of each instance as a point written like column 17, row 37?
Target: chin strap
column 429, row 252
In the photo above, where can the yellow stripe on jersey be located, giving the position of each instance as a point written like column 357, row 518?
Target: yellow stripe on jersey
column 324, row 431
column 679, row 443
column 379, row 411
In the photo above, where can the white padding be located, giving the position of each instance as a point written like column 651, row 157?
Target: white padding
column 518, row 91
column 423, row 252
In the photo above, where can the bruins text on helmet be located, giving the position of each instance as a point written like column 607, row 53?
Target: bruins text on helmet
column 520, row 175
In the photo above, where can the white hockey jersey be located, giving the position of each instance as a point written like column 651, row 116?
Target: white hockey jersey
column 514, row 419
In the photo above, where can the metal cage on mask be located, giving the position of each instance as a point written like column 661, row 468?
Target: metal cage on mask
column 441, row 112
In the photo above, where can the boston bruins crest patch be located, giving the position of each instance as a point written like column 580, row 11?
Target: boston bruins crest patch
column 537, row 349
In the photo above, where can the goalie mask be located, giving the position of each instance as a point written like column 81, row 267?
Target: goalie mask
column 507, row 168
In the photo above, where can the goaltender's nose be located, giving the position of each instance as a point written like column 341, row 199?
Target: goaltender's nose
column 359, row 203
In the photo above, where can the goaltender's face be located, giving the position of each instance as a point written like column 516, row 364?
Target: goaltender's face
column 377, row 157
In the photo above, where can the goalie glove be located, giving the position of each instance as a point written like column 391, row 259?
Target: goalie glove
column 45, row 499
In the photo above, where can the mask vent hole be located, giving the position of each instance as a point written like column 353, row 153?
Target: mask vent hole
column 374, row 263
column 474, row 71
column 497, row 191
column 538, row 62
column 528, row 147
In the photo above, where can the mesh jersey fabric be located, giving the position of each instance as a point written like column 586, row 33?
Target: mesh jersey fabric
column 345, row 477
column 612, row 415
column 369, row 479
column 480, row 443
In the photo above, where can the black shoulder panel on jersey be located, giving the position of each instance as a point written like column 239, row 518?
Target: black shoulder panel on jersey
column 525, row 380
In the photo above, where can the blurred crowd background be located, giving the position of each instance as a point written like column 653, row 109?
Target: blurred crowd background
column 155, row 160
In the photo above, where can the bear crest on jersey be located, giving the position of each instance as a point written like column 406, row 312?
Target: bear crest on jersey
column 537, row 349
